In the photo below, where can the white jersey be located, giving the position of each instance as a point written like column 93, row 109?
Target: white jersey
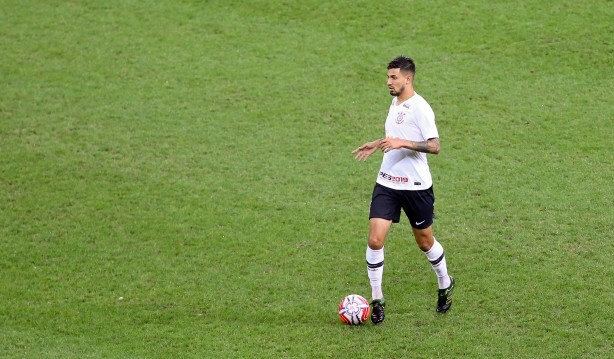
column 405, row 169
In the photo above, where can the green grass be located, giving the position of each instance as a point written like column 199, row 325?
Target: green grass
column 176, row 178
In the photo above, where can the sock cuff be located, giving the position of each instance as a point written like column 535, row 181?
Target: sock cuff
column 438, row 260
column 435, row 253
column 375, row 265
column 375, row 257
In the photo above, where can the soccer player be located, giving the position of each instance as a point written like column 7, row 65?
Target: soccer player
column 404, row 182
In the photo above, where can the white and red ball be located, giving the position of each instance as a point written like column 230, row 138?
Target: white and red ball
column 354, row 309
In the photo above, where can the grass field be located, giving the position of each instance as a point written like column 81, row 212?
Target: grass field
column 176, row 178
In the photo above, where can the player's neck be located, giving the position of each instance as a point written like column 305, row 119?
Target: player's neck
column 406, row 95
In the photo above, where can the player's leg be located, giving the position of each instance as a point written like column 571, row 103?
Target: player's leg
column 419, row 207
column 385, row 210
column 435, row 254
column 378, row 230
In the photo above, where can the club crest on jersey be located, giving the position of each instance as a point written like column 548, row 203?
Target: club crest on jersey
column 400, row 118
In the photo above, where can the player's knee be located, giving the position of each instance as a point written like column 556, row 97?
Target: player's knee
column 376, row 243
column 425, row 242
column 424, row 246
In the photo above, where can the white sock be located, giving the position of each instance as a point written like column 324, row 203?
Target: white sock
column 375, row 270
column 437, row 258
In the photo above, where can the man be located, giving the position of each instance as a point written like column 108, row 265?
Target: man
column 404, row 182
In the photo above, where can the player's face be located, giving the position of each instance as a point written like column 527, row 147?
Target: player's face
column 397, row 81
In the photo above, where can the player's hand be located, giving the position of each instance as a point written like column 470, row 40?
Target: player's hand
column 363, row 152
column 390, row 143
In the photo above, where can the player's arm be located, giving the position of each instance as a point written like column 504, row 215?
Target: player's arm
column 429, row 146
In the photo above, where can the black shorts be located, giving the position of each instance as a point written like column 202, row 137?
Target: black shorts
column 418, row 205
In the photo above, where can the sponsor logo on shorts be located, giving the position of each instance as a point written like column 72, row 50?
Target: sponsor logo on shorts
column 394, row 179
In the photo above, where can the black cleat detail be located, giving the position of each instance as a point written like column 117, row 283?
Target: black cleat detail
column 377, row 313
column 444, row 297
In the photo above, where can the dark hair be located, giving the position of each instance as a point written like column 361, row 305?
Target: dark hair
column 406, row 64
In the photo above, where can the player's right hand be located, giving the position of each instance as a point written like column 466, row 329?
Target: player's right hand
column 363, row 152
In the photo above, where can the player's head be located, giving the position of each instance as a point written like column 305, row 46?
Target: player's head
column 405, row 64
column 401, row 72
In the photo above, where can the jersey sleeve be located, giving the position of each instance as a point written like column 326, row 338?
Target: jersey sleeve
column 426, row 122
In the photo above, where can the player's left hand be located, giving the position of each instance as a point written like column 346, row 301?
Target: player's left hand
column 390, row 143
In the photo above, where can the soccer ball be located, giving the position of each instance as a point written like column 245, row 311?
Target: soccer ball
column 354, row 309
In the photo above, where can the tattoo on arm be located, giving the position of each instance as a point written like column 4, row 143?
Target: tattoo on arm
column 429, row 146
